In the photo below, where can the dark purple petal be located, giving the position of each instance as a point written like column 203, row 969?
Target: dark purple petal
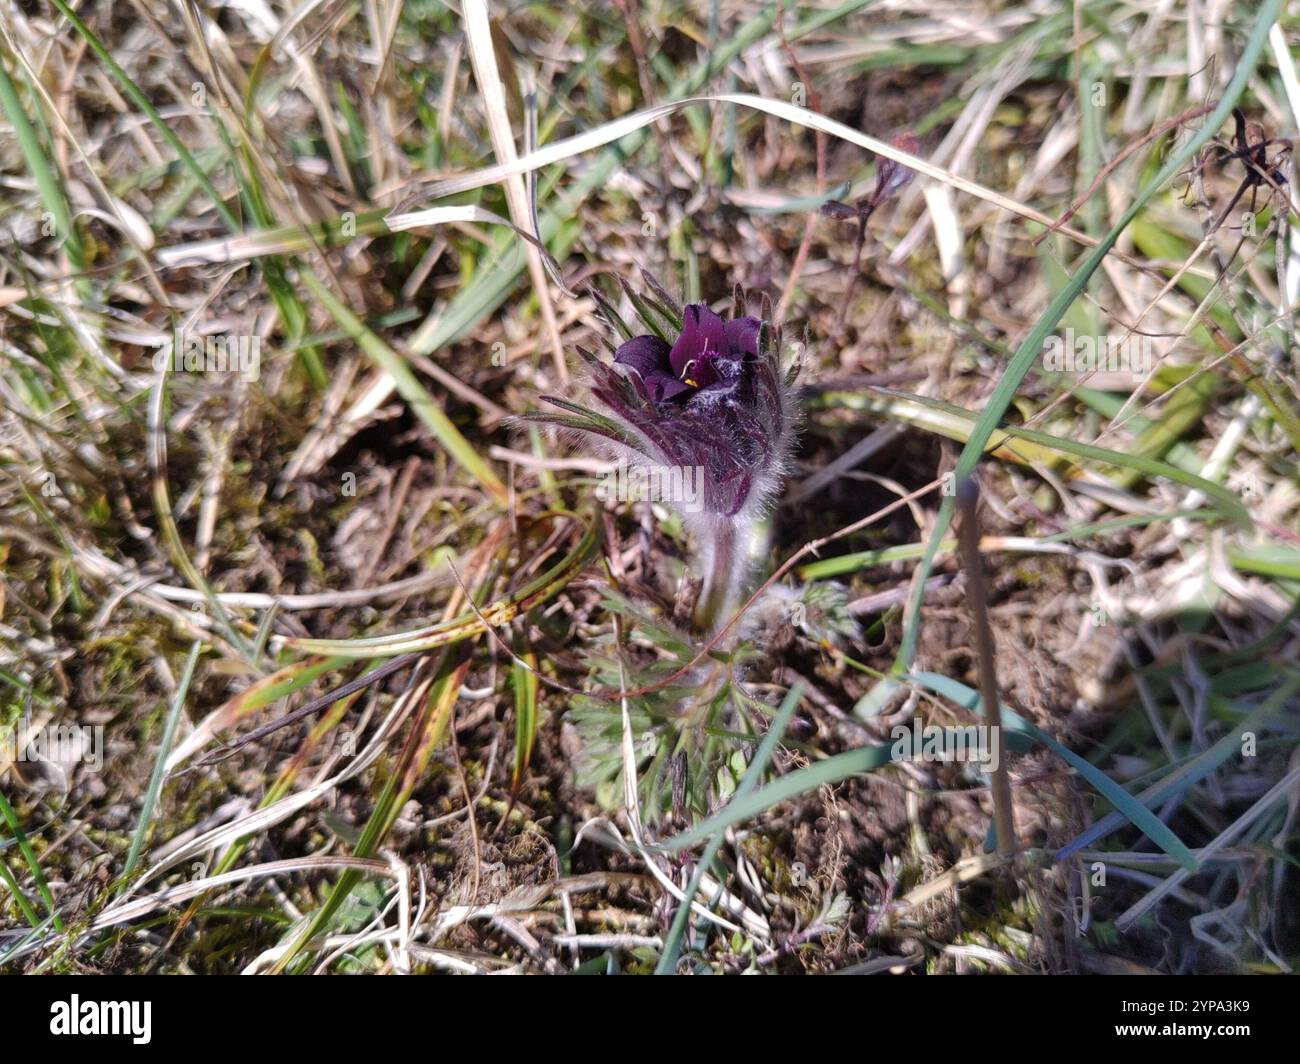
column 702, row 339
column 663, row 385
column 645, row 354
column 742, row 335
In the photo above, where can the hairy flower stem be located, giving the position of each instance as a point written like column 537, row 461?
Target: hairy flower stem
column 728, row 560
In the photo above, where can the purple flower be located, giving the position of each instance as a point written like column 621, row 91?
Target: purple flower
column 695, row 401
column 714, row 399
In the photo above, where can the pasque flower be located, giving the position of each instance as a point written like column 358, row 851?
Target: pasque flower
column 701, row 394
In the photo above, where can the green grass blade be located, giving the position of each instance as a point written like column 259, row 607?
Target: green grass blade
column 524, row 679
column 49, row 186
column 1142, row 818
column 29, row 855
column 738, row 810
column 160, row 763
column 1032, row 347
column 1193, row 771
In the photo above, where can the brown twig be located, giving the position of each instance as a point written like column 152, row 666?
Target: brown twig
column 969, row 534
